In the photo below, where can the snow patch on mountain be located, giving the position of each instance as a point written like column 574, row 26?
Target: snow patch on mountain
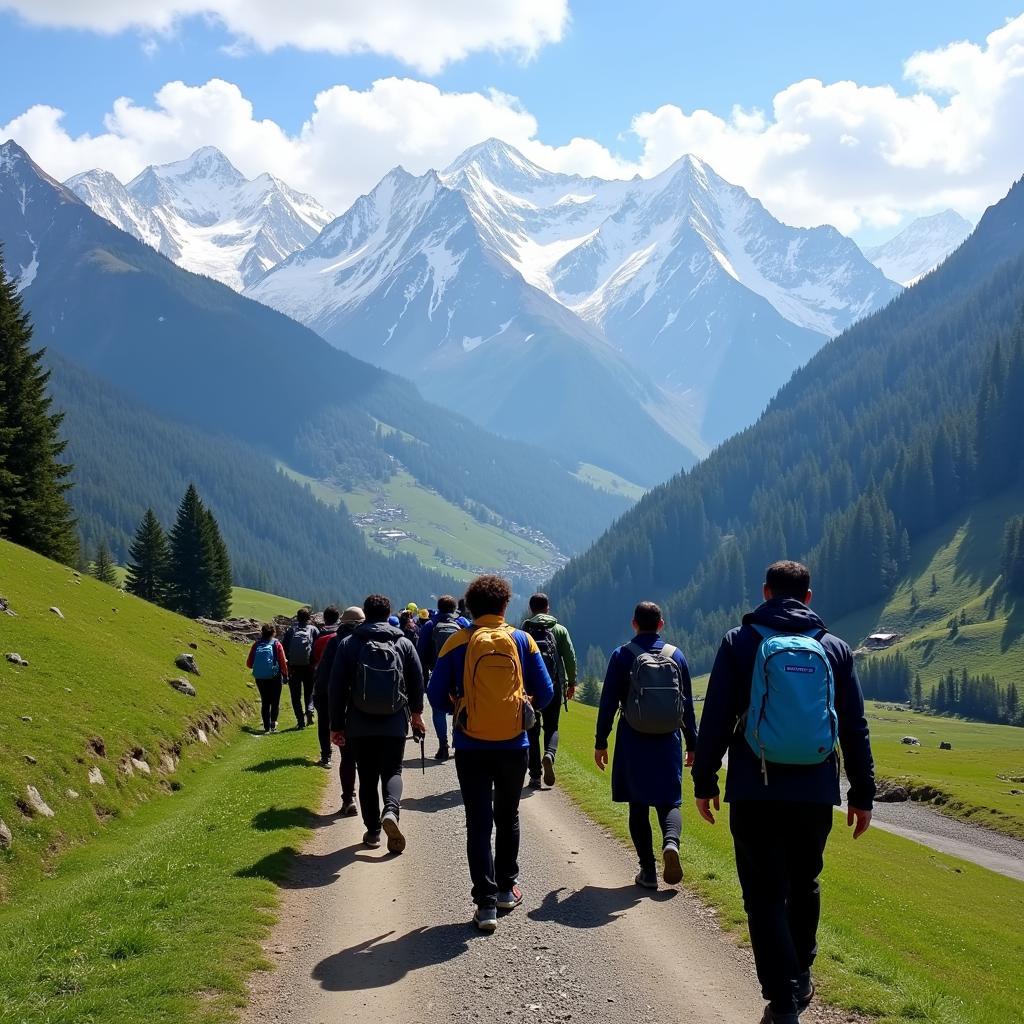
column 920, row 247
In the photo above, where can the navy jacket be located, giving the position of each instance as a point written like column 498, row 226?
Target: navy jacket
column 727, row 700
column 425, row 643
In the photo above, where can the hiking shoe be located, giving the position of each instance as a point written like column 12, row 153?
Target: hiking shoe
column 510, row 898
column 771, row 1017
column 805, row 990
column 486, row 919
column 300, row 724
column 371, row 839
column 549, row 769
column 273, row 728
column 324, row 762
column 443, row 753
column 673, row 873
column 647, row 878
column 535, row 782
column 309, row 718
column 348, row 807
column 396, row 841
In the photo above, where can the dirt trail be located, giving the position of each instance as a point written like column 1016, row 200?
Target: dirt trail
column 365, row 933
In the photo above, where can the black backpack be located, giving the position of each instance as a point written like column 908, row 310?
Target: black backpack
column 379, row 688
column 300, row 645
column 548, row 647
column 654, row 701
column 444, row 629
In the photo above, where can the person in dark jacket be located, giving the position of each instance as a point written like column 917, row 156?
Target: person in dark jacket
column 378, row 740
column 781, row 815
column 298, row 642
column 428, row 646
column 336, row 628
column 648, row 769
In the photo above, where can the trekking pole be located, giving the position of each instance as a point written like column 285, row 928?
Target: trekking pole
column 422, row 737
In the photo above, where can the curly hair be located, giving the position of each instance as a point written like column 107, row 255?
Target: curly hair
column 377, row 608
column 488, row 595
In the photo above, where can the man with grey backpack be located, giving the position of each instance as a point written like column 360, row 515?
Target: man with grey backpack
column 648, row 683
column 299, row 640
column 375, row 692
column 783, row 695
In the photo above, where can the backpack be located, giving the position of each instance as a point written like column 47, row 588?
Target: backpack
column 444, row 630
column 264, row 660
column 654, row 700
column 300, row 645
column 547, row 644
column 379, row 688
column 491, row 705
column 791, row 718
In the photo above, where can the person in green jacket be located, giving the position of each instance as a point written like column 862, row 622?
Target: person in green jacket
column 560, row 660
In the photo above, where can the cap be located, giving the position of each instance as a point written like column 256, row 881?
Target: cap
column 424, row 614
column 411, row 607
column 353, row 614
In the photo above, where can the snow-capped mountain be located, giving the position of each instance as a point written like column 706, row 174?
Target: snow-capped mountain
column 685, row 275
column 920, row 247
column 206, row 216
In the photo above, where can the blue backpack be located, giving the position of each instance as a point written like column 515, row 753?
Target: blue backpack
column 792, row 715
column 264, row 660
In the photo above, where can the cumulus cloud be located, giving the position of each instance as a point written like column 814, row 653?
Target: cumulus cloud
column 841, row 153
column 425, row 34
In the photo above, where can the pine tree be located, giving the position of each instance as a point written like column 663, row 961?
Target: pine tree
column 589, row 691
column 188, row 589
column 34, row 509
column 103, row 565
column 149, row 561
column 217, row 566
column 918, row 692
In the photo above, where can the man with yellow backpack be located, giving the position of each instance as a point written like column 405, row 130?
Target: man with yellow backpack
column 492, row 677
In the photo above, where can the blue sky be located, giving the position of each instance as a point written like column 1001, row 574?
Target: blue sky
column 612, row 62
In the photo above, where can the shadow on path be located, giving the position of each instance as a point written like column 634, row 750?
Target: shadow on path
column 274, row 818
column 593, row 907
column 384, row 960
column 273, row 764
column 293, row 870
column 433, row 801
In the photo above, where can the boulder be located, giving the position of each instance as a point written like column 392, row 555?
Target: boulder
column 187, row 663
column 194, row 646
column 201, row 735
column 6, row 609
column 945, row 746
column 890, row 793
column 26, row 718
column 96, row 777
column 57, row 612
column 168, row 762
column 16, row 659
column 182, row 686
column 139, row 765
column 37, row 803
column 71, row 794
column 911, row 741
column 6, row 839
column 30, row 759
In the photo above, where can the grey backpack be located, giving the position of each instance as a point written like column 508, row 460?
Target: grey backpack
column 300, row 645
column 379, row 688
column 654, row 701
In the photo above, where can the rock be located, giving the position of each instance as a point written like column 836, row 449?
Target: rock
column 16, row 659
column 201, row 735
column 168, row 763
column 30, row 759
column 37, row 803
column 26, row 718
column 187, row 664
column 57, row 612
column 1017, row 792
column 911, row 741
column 6, row 609
column 96, row 777
column 71, row 794
column 945, row 746
column 182, row 686
column 140, row 765
column 194, row 646
column 890, row 794
column 126, row 767
column 6, row 839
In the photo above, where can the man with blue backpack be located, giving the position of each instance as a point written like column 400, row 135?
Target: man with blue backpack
column 783, row 694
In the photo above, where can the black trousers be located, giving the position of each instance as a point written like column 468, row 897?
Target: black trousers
column 780, row 847
column 492, row 783
column 671, row 821
column 270, row 699
column 347, row 766
column 379, row 764
column 547, row 721
column 300, row 683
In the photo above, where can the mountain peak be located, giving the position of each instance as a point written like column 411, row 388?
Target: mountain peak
column 205, row 162
column 920, row 246
column 494, row 156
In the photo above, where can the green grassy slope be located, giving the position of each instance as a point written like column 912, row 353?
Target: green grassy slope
column 606, row 480
column 907, row 934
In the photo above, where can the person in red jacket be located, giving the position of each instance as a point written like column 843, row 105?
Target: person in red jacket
column 269, row 669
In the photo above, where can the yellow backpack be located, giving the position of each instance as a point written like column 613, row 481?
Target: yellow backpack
column 493, row 694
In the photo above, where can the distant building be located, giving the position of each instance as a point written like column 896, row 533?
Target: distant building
column 879, row 641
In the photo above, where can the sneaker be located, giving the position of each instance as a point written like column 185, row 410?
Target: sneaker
column 273, row 728
column 300, row 724
column 549, row 769
column 510, row 898
column 443, row 753
column 309, row 718
column 805, row 990
column 673, row 872
column 647, row 878
column 396, row 841
column 348, row 807
column 486, row 919
column 324, row 762
column 371, row 839
column 535, row 782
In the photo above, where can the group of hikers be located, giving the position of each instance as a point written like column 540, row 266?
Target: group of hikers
column 782, row 701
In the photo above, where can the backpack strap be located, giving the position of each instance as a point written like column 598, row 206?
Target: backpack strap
column 669, row 651
column 635, row 649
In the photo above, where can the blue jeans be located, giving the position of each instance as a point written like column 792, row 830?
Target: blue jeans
column 440, row 718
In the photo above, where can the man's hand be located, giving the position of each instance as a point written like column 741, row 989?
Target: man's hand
column 416, row 720
column 570, row 692
column 689, row 759
column 338, row 739
column 601, row 758
column 863, row 820
column 704, row 808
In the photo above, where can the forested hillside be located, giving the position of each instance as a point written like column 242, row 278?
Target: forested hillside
column 902, row 420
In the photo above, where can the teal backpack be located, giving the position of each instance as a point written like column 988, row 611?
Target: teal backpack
column 792, row 714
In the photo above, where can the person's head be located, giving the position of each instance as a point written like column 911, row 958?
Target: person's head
column 353, row 616
column 377, row 608
column 488, row 595
column 302, row 616
column 461, row 604
column 411, row 608
column 405, row 617
column 267, row 631
column 446, row 604
column 539, row 604
column 331, row 615
column 647, row 618
column 424, row 614
column 788, row 579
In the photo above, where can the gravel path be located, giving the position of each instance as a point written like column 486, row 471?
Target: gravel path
column 364, row 933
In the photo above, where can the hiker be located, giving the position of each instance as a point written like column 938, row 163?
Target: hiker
column 648, row 681
column 783, row 774
column 336, row 628
column 407, row 624
column 434, row 634
column 376, row 690
column 492, row 677
column 299, row 640
column 269, row 665
column 559, row 656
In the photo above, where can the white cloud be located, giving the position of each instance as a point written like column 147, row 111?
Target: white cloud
column 842, row 153
column 425, row 34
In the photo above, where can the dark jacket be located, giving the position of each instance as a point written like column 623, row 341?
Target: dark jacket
column 349, row 719
column 323, row 660
column 425, row 641
column 727, row 700
column 645, row 769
